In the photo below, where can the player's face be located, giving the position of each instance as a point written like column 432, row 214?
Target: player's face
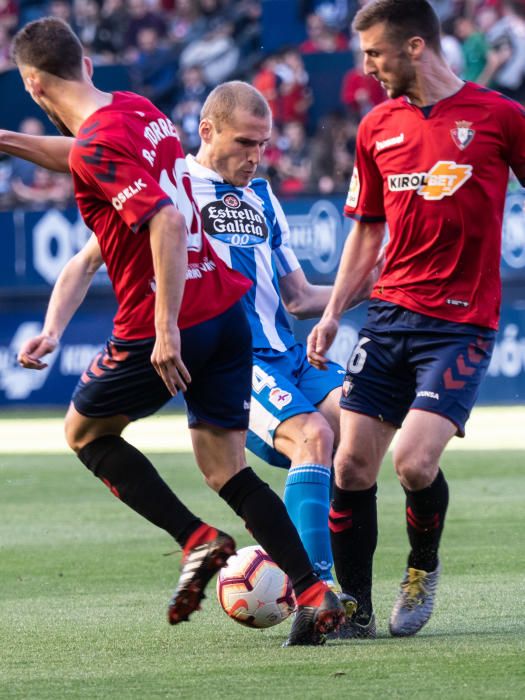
column 236, row 149
column 388, row 62
column 33, row 86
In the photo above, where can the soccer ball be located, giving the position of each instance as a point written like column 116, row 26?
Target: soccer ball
column 253, row 590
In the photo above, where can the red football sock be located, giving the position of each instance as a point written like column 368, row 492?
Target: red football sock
column 204, row 533
column 313, row 596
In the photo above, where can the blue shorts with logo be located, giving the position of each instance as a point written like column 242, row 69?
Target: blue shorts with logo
column 405, row 360
column 284, row 384
column 121, row 379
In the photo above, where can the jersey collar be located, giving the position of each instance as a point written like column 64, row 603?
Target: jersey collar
column 428, row 110
column 198, row 170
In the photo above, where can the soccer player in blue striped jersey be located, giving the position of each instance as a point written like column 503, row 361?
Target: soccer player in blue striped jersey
column 294, row 417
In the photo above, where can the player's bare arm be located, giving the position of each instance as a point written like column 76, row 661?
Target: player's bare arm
column 67, row 295
column 51, row 152
column 361, row 254
column 305, row 300
column 302, row 299
column 170, row 262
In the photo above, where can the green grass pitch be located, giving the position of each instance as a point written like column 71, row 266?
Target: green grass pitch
column 84, row 587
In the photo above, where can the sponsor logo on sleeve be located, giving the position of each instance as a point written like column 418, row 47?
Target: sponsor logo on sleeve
column 127, row 193
column 353, row 190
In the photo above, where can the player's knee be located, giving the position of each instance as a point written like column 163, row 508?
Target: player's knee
column 353, row 471
column 317, row 437
column 73, row 436
column 307, row 437
column 77, row 434
column 217, row 478
column 415, row 470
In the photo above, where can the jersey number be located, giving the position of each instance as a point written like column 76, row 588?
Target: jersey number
column 358, row 358
column 261, row 380
column 182, row 199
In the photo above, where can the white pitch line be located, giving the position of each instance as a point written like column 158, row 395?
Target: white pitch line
column 490, row 428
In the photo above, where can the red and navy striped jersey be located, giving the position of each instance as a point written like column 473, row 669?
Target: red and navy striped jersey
column 127, row 163
column 438, row 176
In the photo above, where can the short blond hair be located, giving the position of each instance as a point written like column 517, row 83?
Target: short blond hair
column 227, row 97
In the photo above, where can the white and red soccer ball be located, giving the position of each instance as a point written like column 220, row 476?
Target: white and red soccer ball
column 253, row 590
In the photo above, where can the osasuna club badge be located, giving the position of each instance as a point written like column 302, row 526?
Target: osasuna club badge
column 462, row 135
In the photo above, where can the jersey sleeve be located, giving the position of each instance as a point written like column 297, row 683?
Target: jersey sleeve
column 364, row 201
column 120, row 177
column 284, row 257
column 515, row 138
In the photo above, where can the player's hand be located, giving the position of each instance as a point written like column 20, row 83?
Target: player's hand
column 35, row 348
column 319, row 341
column 167, row 361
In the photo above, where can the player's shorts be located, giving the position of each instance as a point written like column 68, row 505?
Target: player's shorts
column 284, row 384
column 122, row 381
column 405, row 360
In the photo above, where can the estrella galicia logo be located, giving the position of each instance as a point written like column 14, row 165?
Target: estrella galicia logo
column 234, row 221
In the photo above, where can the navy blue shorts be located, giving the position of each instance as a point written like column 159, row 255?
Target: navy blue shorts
column 405, row 360
column 218, row 354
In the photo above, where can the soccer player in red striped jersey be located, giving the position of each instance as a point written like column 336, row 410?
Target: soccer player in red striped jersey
column 433, row 163
column 179, row 325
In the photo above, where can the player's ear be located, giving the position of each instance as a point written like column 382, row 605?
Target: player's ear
column 206, row 130
column 415, row 46
column 32, row 84
column 88, row 66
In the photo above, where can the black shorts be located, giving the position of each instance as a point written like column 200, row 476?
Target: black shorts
column 405, row 360
column 218, row 354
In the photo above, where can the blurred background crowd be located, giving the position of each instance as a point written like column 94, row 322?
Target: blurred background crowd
column 176, row 51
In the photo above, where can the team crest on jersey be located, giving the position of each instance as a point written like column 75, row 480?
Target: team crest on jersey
column 442, row 180
column 280, row 398
column 462, row 135
column 353, row 190
column 232, row 220
column 231, row 200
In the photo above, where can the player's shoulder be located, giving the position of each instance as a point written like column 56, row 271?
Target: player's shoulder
column 262, row 188
column 378, row 115
column 260, row 183
column 100, row 131
column 495, row 101
column 108, row 125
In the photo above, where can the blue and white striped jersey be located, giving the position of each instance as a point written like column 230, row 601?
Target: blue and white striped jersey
column 248, row 230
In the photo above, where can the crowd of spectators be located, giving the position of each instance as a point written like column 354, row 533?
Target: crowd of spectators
column 177, row 50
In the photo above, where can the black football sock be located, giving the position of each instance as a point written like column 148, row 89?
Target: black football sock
column 353, row 533
column 425, row 514
column 267, row 519
column 134, row 480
